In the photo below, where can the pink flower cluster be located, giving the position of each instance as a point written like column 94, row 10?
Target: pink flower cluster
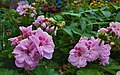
column 31, row 47
column 88, row 51
column 26, row 10
column 45, row 23
column 114, row 27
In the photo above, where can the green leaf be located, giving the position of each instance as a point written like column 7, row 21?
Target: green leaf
column 83, row 24
column 87, row 34
column 107, row 14
column 8, row 72
column 103, row 8
column 69, row 31
column 1, row 64
column 77, row 31
column 58, row 17
column 116, row 7
column 89, row 16
column 73, row 24
column 44, row 71
column 113, row 65
column 117, row 18
column 4, row 54
column 88, row 72
column 72, row 14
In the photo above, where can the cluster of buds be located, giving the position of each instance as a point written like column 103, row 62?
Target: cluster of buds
column 26, row 10
column 95, row 3
column 48, row 24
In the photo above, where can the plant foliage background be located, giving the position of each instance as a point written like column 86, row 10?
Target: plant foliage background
column 81, row 17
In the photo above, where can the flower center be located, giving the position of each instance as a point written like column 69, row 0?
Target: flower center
column 79, row 54
column 27, row 52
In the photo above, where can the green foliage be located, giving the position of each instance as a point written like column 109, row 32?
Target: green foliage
column 88, row 72
column 8, row 72
column 91, row 19
column 117, row 17
column 82, row 20
column 44, row 71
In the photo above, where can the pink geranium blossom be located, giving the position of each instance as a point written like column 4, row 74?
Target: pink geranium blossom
column 87, row 50
column 77, row 56
column 26, row 10
column 32, row 47
column 115, row 27
column 44, row 23
column 26, row 55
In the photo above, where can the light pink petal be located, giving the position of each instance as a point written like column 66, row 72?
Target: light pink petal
column 73, row 58
column 118, row 73
column 82, row 62
column 28, row 61
column 48, row 49
column 19, row 64
column 34, row 39
column 47, row 55
column 21, row 58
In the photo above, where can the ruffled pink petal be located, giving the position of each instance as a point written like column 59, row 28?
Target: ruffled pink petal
column 73, row 58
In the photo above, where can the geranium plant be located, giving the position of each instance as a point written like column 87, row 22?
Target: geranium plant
column 47, row 39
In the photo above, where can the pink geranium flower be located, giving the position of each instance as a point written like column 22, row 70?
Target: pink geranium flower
column 45, row 23
column 92, row 46
column 77, row 56
column 46, row 45
column 26, row 55
column 115, row 27
column 25, row 9
column 88, row 50
column 32, row 47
